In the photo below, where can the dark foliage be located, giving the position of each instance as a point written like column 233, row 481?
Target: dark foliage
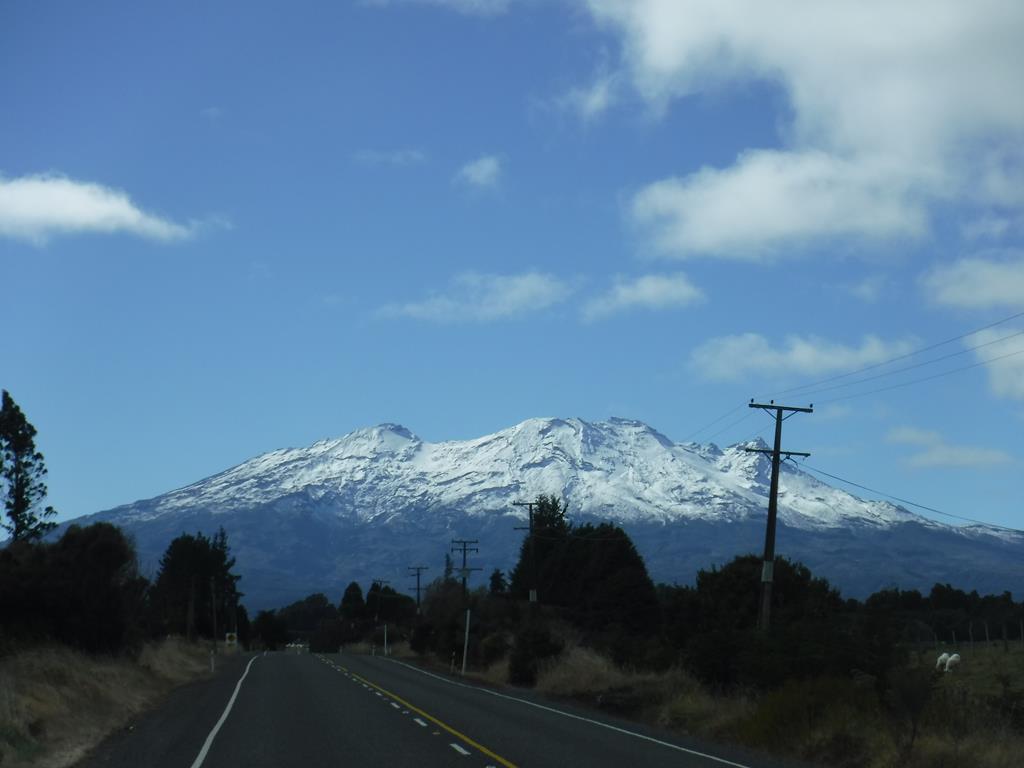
column 498, row 584
column 22, row 470
column 194, row 585
column 714, row 625
column 594, row 574
column 83, row 590
column 269, row 631
column 352, row 606
column 532, row 646
column 314, row 620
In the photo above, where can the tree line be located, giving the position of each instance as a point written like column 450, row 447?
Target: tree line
column 84, row 589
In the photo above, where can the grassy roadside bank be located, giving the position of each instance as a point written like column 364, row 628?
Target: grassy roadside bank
column 971, row 718
column 56, row 703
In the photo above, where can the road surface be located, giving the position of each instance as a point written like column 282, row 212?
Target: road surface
column 282, row 709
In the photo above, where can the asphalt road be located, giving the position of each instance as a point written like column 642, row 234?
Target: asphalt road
column 344, row 710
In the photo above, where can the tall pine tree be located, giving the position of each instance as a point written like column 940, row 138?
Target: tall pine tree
column 22, row 471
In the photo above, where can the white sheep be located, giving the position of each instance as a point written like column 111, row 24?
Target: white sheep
column 952, row 661
column 940, row 663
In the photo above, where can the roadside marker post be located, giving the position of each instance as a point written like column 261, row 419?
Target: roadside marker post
column 465, row 645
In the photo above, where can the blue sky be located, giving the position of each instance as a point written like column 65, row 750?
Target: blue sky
column 229, row 228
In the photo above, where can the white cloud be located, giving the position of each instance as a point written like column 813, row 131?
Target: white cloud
column 477, row 297
column 770, row 199
column 936, row 452
column 979, row 282
column 895, row 107
column 1003, row 355
column 482, row 173
column 989, row 227
column 398, row 158
column 469, row 7
column 733, row 357
column 647, row 291
column 595, row 99
column 37, row 207
column 869, row 289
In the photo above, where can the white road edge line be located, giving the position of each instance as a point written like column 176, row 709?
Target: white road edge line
column 615, row 728
column 458, row 749
column 227, row 710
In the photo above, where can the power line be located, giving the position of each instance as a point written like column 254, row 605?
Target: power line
column 730, row 426
column 912, row 367
column 907, row 501
column 900, row 357
column 730, row 412
column 926, row 378
column 811, row 385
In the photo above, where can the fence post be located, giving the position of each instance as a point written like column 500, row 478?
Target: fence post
column 465, row 645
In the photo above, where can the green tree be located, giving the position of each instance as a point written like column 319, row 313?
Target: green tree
column 194, row 577
column 22, row 471
column 498, row 585
column 352, row 605
column 96, row 592
column 540, row 548
column 306, row 615
column 269, row 630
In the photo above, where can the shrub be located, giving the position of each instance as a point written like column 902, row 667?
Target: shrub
column 813, row 718
column 532, row 645
column 493, row 647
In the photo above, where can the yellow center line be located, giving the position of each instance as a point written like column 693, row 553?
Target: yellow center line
column 438, row 723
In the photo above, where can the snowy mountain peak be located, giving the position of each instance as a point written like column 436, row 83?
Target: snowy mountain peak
column 379, row 498
column 619, row 469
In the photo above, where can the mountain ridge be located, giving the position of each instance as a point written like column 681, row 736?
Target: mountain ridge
column 387, row 488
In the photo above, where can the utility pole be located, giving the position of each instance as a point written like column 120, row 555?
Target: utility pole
column 190, row 612
column 768, row 567
column 533, row 546
column 380, row 589
column 213, row 610
column 418, row 569
column 463, row 546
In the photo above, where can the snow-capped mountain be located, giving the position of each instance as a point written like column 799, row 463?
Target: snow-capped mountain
column 375, row 501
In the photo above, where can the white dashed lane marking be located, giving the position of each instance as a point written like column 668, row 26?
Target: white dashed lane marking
column 418, row 721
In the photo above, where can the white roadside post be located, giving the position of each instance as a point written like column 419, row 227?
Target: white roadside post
column 465, row 644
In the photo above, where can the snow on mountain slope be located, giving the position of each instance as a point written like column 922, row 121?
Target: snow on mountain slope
column 366, row 505
column 618, row 469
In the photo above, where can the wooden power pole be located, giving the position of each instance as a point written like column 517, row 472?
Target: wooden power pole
column 768, row 566
column 533, row 546
column 418, row 569
column 463, row 546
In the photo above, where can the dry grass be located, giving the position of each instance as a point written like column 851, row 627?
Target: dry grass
column 495, row 675
column 401, row 650
column 580, row 672
column 55, row 704
column 841, row 726
column 357, row 648
column 690, row 709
